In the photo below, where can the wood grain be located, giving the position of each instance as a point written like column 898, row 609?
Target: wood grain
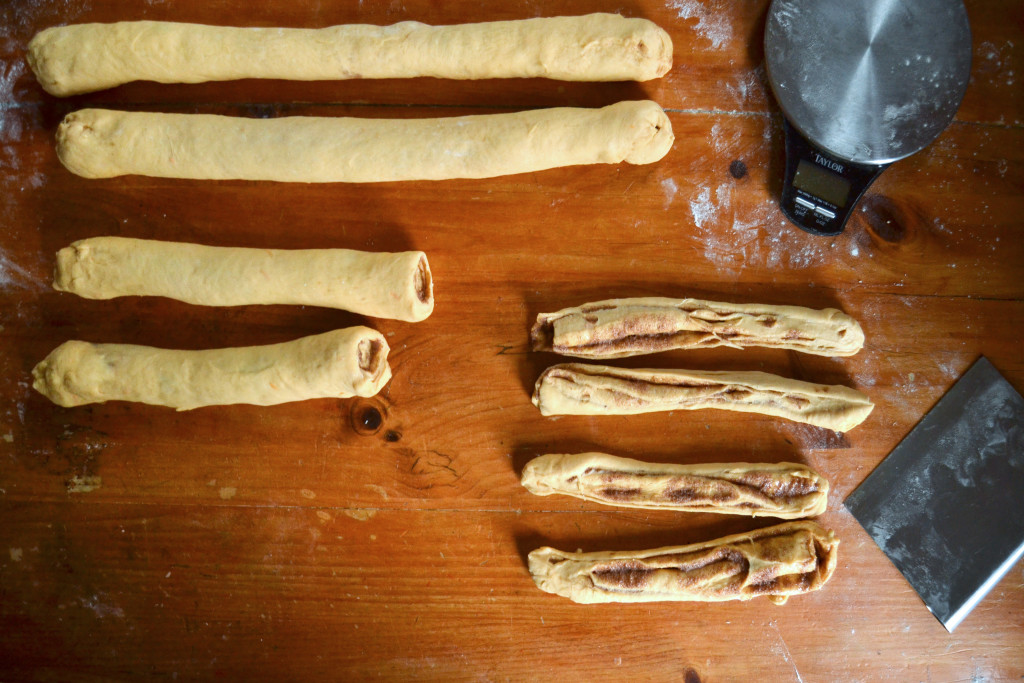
column 307, row 542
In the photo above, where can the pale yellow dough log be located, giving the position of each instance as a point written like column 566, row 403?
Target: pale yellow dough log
column 777, row 562
column 101, row 143
column 629, row 327
column 69, row 60
column 784, row 490
column 383, row 285
column 338, row 364
column 578, row 389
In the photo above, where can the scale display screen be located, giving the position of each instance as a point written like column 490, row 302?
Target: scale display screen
column 823, row 184
column 814, row 197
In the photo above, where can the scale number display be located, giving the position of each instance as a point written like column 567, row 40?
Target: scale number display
column 815, row 180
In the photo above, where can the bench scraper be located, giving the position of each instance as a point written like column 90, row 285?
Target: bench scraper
column 946, row 504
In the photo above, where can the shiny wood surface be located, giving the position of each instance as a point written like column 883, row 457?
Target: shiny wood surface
column 300, row 543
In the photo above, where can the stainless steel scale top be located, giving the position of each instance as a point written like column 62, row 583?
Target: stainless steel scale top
column 869, row 81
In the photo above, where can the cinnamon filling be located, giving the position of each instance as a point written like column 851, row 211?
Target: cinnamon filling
column 423, row 282
column 724, row 393
column 370, row 356
column 627, row 575
column 699, row 490
column 619, row 494
column 784, row 488
column 631, row 332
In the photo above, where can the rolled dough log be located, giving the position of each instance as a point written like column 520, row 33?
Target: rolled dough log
column 100, row 143
column 630, row 327
column 785, row 490
column 778, row 561
column 338, row 364
column 577, row 389
column 69, row 60
column 383, row 285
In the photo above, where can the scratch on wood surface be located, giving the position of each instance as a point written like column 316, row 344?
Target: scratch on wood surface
column 512, row 350
column 444, row 462
column 436, row 465
column 786, row 654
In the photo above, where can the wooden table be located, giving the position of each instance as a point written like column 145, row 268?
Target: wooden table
column 296, row 543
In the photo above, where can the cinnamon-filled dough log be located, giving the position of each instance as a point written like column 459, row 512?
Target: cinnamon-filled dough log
column 777, row 562
column 630, row 327
column 578, row 389
column 101, row 143
column 69, row 60
column 337, row 364
column 785, row 490
column 383, row 285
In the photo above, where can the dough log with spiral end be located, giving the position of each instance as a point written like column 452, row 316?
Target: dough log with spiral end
column 383, row 285
column 80, row 58
column 102, row 143
column 338, row 364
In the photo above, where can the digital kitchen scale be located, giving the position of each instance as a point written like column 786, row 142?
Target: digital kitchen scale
column 862, row 84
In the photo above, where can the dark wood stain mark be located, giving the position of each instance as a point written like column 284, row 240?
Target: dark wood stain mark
column 883, row 218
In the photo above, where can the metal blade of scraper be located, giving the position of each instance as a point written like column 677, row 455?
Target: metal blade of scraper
column 945, row 505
